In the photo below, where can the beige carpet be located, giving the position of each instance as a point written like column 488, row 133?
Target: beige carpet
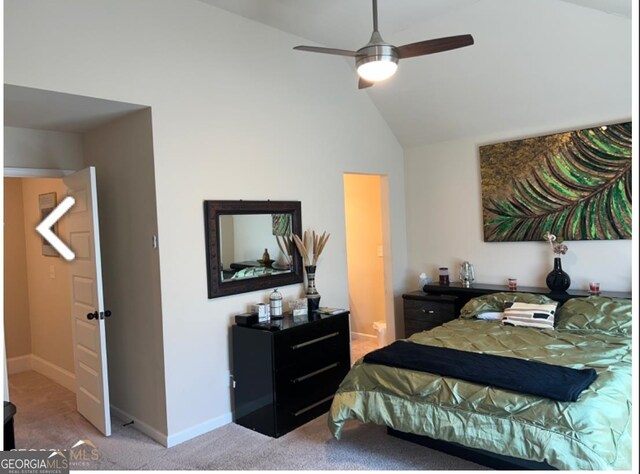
column 360, row 347
column 47, row 419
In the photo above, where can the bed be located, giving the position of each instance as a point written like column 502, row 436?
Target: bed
column 592, row 433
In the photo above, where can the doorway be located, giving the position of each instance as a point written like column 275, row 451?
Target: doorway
column 47, row 299
column 38, row 331
column 368, row 261
column 37, row 303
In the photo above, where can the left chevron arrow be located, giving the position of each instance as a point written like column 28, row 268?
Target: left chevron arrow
column 44, row 228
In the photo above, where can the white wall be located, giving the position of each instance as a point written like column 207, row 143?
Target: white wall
column 29, row 148
column 252, row 235
column 122, row 152
column 444, row 226
column 237, row 114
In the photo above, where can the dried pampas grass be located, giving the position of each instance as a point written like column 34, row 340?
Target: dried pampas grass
column 311, row 246
column 285, row 243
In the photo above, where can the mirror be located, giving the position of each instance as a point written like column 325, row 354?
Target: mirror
column 249, row 245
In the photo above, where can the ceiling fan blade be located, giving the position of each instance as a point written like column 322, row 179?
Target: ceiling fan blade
column 434, row 46
column 316, row 49
column 362, row 84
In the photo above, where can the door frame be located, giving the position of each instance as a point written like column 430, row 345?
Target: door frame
column 36, row 173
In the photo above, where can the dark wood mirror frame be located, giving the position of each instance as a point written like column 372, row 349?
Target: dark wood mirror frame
column 212, row 212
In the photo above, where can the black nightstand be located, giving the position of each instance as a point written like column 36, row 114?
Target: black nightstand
column 424, row 311
column 285, row 378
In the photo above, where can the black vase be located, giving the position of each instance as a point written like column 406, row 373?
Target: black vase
column 558, row 279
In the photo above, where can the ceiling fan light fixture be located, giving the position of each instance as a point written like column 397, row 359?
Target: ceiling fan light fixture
column 377, row 61
column 378, row 70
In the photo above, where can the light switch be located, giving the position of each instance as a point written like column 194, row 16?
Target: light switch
column 52, row 271
column 380, row 252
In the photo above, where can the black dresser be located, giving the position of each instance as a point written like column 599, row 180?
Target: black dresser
column 287, row 377
column 437, row 304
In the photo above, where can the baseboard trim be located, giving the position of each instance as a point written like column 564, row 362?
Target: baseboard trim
column 202, row 428
column 55, row 373
column 361, row 335
column 19, row 364
column 140, row 425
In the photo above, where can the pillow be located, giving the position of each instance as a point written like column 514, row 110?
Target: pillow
column 494, row 315
column 494, row 302
column 596, row 313
column 530, row 315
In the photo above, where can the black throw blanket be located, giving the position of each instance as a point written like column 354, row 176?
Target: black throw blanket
column 519, row 375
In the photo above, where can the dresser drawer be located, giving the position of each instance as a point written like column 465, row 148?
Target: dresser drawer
column 297, row 390
column 312, row 346
column 288, row 419
column 299, row 401
column 423, row 315
column 412, row 326
column 435, row 310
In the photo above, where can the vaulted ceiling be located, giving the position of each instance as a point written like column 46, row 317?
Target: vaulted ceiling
column 522, row 71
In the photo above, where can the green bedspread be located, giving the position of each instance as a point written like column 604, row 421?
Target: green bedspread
column 592, row 433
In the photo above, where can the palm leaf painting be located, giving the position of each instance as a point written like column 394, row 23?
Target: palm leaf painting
column 576, row 185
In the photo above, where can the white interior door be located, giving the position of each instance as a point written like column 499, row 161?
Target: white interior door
column 89, row 339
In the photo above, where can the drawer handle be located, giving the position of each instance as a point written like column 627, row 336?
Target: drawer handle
column 313, row 341
column 428, row 311
column 311, row 407
column 313, row 374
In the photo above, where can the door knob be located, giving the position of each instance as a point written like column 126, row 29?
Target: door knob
column 100, row 315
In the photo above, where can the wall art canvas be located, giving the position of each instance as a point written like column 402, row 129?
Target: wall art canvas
column 46, row 204
column 281, row 224
column 576, row 185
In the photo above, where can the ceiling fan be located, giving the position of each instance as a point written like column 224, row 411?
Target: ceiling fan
column 378, row 60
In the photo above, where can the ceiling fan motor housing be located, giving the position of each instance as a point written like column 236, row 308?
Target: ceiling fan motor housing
column 377, row 51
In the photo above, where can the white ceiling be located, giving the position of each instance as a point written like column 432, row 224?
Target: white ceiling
column 455, row 94
column 347, row 24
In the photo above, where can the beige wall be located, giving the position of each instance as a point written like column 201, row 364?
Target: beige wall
column 16, row 294
column 363, row 216
column 48, row 281
column 122, row 152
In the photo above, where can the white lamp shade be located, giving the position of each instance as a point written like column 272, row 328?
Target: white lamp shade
column 375, row 71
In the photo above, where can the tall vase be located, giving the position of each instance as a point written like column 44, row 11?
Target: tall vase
column 313, row 297
column 311, row 279
column 558, row 279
